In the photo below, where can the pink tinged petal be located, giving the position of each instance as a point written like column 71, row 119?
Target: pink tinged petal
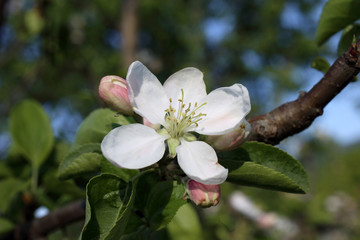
column 225, row 109
column 146, row 93
column 199, row 162
column 191, row 81
column 133, row 146
column 203, row 195
column 113, row 91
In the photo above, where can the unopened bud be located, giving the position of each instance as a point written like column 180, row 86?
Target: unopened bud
column 230, row 140
column 203, row 195
column 113, row 91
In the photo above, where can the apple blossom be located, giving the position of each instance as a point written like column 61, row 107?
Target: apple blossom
column 180, row 106
column 113, row 91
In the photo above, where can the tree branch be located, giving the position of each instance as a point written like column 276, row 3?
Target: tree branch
column 39, row 228
column 129, row 31
column 294, row 117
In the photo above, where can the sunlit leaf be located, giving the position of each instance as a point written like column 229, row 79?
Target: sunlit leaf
column 31, row 131
column 262, row 165
column 82, row 160
column 336, row 15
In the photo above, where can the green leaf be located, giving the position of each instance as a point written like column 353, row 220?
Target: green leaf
column 5, row 226
column 320, row 64
column 124, row 174
column 185, row 225
column 5, row 171
column 347, row 37
column 83, row 160
column 336, row 15
column 31, row 131
column 163, row 202
column 54, row 185
column 9, row 189
column 99, row 123
column 108, row 207
column 261, row 165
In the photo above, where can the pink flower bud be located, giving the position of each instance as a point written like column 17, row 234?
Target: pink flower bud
column 113, row 91
column 203, row 195
column 230, row 140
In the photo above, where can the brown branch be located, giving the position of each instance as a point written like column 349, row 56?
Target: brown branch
column 39, row 228
column 293, row 117
column 129, row 31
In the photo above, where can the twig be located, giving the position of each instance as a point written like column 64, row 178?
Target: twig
column 39, row 228
column 293, row 117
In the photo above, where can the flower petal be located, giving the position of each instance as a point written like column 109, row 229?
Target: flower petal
column 199, row 162
column 133, row 146
column 191, row 81
column 147, row 95
column 225, row 109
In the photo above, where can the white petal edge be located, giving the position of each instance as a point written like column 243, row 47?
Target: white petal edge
column 146, row 93
column 199, row 162
column 133, row 146
column 191, row 81
column 225, row 110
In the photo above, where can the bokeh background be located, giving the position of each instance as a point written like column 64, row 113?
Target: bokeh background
column 57, row 51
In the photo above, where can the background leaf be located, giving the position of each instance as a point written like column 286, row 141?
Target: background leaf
column 31, row 131
column 5, row 226
column 336, row 15
column 262, row 165
column 320, row 64
column 185, row 225
column 5, row 171
column 83, row 160
column 108, row 207
column 347, row 37
column 97, row 125
column 9, row 188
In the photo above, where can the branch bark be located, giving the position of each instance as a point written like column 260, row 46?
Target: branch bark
column 39, row 228
column 294, row 117
column 129, row 31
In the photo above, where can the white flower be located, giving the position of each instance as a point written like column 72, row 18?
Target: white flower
column 180, row 106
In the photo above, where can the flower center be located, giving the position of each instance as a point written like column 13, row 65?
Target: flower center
column 186, row 116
